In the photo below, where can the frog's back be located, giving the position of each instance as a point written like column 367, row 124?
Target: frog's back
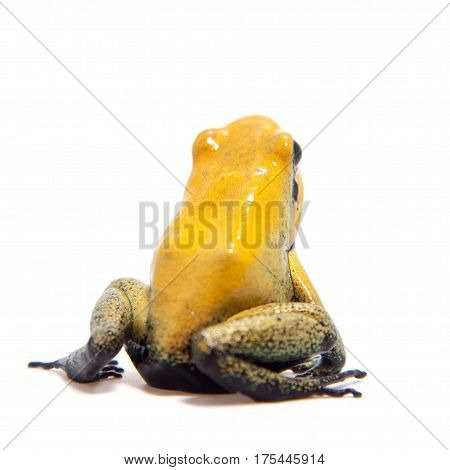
column 226, row 251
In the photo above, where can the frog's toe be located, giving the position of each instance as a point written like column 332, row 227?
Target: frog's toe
column 113, row 363
column 43, row 365
column 106, row 374
column 112, row 368
column 339, row 392
column 358, row 374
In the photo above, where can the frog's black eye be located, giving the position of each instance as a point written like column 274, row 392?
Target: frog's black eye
column 297, row 153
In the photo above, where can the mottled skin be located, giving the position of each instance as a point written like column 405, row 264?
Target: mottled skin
column 230, row 306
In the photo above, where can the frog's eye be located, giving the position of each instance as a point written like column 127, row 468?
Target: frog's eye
column 296, row 153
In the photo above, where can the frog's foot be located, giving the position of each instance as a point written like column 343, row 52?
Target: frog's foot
column 83, row 366
column 104, row 373
column 234, row 353
column 336, row 378
column 111, row 365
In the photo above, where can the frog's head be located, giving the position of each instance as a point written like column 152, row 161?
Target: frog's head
column 250, row 160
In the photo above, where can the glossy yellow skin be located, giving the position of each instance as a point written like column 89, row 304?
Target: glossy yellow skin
column 248, row 164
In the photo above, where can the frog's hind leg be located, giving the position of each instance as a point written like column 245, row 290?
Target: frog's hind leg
column 111, row 325
column 239, row 353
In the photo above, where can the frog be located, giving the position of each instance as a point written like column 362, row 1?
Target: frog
column 229, row 307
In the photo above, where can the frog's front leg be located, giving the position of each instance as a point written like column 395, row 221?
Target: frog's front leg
column 242, row 353
column 120, row 305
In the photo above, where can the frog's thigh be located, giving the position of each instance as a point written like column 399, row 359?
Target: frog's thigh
column 233, row 353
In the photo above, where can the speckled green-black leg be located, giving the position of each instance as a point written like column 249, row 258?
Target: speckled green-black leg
column 238, row 354
column 110, row 328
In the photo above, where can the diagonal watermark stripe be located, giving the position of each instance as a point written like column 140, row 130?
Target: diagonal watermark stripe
column 266, row 267
column 360, row 92
column 395, row 397
column 367, row 85
column 145, row 309
column 93, row 95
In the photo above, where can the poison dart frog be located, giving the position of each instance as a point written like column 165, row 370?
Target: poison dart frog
column 229, row 307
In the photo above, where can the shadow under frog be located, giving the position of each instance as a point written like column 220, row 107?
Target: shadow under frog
column 229, row 316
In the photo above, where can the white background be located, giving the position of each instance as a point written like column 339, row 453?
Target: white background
column 378, row 222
